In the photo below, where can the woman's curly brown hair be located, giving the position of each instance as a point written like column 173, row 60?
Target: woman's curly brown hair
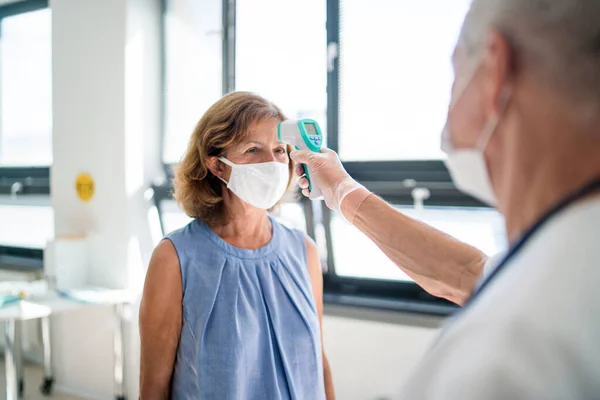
column 197, row 191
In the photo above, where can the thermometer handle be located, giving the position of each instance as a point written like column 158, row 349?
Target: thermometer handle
column 315, row 191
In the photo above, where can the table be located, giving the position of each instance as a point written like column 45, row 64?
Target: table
column 42, row 306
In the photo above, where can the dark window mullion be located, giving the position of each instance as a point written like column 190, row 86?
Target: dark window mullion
column 33, row 180
column 333, row 82
column 229, row 30
column 22, row 7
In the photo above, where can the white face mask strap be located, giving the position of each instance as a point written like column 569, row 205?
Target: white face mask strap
column 226, row 162
column 486, row 135
column 492, row 122
column 466, row 81
column 223, row 180
column 446, row 142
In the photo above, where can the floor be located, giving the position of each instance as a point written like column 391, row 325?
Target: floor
column 34, row 376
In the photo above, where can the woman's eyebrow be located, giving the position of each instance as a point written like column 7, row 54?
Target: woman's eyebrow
column 253, row 142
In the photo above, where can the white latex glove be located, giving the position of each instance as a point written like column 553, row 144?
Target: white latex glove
column 326, row 171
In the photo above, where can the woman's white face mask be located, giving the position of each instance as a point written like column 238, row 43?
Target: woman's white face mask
column 261, row 185
column 467, row 166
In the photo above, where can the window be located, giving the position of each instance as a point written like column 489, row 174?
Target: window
column 352, row 251
column 388, row 94
column 25, row 81
column 377, row 77
column 193, row 68
column 25, row 134
column 395, row 76
column 25, row 98
column 281, row 54
column 26, row 225
column 388, row 87
column 25, row 229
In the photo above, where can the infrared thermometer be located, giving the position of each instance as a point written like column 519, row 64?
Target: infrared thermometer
column 303, row 134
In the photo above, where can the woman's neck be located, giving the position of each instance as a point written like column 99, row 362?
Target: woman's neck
column 246, row 227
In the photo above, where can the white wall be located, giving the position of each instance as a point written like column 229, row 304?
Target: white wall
column 106, row 116
column 370, row 359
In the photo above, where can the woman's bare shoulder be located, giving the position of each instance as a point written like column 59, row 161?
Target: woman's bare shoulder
column 163, row 270
column 165, row 254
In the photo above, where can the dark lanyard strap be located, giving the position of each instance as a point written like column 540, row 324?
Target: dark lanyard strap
column 566, row 202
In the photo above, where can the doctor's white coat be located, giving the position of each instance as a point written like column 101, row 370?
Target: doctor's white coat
column 534, row 332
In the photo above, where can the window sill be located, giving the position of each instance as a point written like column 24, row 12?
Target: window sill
column 394, row 305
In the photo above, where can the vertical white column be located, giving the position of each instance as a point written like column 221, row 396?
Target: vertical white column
column 106, row 117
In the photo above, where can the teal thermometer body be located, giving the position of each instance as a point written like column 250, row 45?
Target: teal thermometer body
column 303, row 134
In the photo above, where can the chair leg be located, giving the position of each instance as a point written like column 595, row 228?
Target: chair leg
column 48, row 383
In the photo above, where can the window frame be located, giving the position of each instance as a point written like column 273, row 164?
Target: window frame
column 21, row 259
column 394, row 181
column 17, row 181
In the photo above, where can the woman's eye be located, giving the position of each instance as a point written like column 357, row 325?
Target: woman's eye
column 280, row 150
column 251, row 150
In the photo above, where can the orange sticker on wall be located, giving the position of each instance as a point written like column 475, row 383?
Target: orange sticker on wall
column 84, row 185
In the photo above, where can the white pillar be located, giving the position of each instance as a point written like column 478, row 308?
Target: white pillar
column 107, row 118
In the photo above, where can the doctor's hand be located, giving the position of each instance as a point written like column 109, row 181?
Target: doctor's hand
column 328, row 174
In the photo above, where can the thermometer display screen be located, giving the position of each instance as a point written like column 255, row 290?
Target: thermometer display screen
column 311, row 129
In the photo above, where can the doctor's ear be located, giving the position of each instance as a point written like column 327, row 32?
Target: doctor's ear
column 216, row 167
column 499, row 65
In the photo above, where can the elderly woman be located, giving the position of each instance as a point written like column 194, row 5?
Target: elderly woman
column 232, row 303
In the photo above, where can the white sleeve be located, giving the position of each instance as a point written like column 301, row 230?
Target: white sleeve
column 491, row 264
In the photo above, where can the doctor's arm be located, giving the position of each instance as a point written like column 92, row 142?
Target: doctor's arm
column 160, row 322
column 439, row 263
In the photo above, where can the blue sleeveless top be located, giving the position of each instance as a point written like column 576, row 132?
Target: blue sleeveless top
column 250, row 327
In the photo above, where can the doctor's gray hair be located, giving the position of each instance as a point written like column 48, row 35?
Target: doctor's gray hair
column 558, row 40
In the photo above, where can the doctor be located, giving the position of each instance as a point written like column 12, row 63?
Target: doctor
column 523, row 134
